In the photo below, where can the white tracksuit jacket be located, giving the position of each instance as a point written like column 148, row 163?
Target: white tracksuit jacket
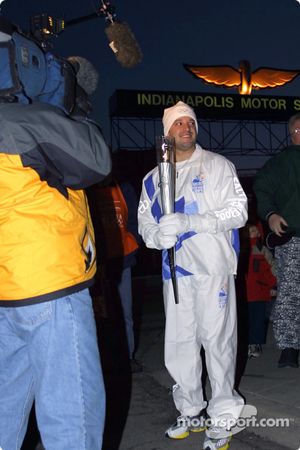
column 206, row 261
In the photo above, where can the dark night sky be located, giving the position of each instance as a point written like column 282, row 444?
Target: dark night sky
column 265, row 32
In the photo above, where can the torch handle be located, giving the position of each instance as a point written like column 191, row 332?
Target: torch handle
column 172, row 264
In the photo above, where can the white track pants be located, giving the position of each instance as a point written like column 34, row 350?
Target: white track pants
column 205, row 316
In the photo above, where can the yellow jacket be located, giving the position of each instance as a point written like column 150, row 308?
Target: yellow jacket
column 47, row 240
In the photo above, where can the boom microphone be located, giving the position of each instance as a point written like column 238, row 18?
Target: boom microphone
column 123, row 44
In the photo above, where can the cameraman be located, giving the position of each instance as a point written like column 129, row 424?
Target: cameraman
column 48, row 344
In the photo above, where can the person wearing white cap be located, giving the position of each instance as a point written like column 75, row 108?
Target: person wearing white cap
column 209, row 205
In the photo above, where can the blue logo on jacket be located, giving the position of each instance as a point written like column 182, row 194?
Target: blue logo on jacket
column 197, row 184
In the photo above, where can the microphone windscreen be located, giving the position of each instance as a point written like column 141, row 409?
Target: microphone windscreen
column 86, row 74
column 123, row 44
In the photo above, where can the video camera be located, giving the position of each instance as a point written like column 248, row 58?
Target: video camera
column 30, row 71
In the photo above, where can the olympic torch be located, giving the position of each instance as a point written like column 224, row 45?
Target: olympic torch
column 165, row 153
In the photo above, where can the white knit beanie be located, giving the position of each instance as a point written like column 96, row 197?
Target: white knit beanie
column 174, row 112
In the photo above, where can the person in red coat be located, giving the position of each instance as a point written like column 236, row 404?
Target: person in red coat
column 260, row 288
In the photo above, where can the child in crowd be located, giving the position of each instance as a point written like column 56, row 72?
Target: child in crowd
column 260, row 287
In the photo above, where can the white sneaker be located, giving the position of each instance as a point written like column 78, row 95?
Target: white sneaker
column 184, row 424
column 218, row 439
column 254, row 350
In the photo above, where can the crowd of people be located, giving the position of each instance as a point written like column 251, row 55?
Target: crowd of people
column 49, row 353
column 278, row 197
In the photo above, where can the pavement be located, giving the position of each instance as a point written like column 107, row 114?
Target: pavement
column 274, row 392
column 140, row 406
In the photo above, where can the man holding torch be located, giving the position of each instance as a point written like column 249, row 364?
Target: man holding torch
column 209, row 205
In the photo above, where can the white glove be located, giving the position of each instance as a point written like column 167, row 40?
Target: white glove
column 174, row 224
column 196, row 223
column 163, row 242
column 177, row 223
